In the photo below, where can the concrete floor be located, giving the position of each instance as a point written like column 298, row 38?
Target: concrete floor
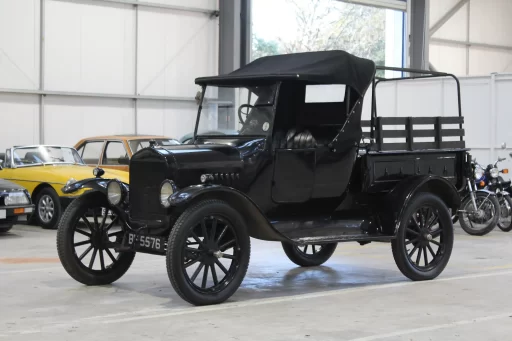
column 358, row 295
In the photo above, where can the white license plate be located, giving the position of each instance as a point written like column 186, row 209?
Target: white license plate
column 3, row 214
column 153, row 243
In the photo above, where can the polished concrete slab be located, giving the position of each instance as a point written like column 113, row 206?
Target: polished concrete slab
column 359, row 294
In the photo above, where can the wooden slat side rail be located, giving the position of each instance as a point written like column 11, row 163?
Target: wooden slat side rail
column 406, row 131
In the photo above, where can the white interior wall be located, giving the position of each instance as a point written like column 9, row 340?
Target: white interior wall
column 477, row 21
column 93, row 46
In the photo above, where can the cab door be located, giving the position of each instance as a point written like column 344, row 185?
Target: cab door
column 294, row 175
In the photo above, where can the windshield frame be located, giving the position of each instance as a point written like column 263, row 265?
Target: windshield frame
column 13, row 149
column 128, row 142
column 273, row 105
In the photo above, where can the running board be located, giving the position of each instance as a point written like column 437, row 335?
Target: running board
column 327, row 230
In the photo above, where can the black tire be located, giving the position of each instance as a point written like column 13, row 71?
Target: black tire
column 66, row 247
column 208, row 215
column 302, row 258
column 47, row 203
column 505, row 226
column 5, row 229
column 421, row 236
column 491, row 224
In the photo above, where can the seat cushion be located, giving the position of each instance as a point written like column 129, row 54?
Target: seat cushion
column 294, row 139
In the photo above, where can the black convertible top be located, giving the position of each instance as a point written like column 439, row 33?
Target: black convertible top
column 322, row 67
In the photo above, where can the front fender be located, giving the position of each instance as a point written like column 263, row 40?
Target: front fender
column 97, row 184
column 258, row 225
column 397, row 200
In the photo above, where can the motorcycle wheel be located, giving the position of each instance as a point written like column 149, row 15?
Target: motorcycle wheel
column 505, row 221
column 487, row 215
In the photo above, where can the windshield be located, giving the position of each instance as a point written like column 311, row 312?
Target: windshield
column 237, row 111
column 27, row 156
column 136, row 145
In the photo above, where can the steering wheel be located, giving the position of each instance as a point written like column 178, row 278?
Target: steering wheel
column 240, row 113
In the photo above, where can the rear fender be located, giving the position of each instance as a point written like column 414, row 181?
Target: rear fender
column 258, row 225
column 397, row 200
column 97, row 184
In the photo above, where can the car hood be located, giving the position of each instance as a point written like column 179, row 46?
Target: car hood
column 62, row 173
column 9, row 186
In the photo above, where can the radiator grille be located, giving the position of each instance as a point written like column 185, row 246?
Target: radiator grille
column 145, row 180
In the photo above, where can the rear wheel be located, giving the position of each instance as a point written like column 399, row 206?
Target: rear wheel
column 505, row 221
column 424, row 240
column 484, row 219
column 309, row 255
column 208, row 253
column 86, row 243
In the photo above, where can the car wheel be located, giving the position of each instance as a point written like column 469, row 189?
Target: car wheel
column 424, row 240
column 208, row 253
column 48, row 210
column 309, row 255
column 86, row 237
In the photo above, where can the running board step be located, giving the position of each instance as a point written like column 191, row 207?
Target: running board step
column 361, row 238
column 327, row 230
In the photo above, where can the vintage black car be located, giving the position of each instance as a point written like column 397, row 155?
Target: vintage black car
column 300, row 171
column 15, row 202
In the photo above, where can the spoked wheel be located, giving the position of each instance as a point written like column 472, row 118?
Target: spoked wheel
column 309, row 255
column 87, row 235
column 424, row 240
column 484, row 219
column 208, row 253
column 505, row 221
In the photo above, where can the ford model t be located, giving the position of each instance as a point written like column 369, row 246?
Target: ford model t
column 299, row 170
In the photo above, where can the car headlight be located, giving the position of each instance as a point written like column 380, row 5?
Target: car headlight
column 166, row 190
column 479, row 173
column 494, row 172
column 114, row 192
column 16, row 198
column 70, row 182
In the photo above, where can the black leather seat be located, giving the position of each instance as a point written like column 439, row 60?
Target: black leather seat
column 294, row 139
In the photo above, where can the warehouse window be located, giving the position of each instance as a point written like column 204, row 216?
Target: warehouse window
column 288, row 26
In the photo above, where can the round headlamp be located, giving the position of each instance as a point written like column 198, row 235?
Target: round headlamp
column 114, row 192
column 479, row 173
column 166, row 190
column 494, row 172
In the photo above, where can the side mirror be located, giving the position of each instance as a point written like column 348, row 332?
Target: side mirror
column 1, row 164
column 98, row 172
column 504, row 145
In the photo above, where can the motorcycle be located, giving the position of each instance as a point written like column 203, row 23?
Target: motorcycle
column 494, row 182
column 479, row 211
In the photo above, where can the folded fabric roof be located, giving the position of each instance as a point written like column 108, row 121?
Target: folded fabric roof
column 322, row 67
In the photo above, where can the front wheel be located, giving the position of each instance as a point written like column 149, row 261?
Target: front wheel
column 317, row 255
column 47, row 208
column 85, row 244
column 208, row 253
column 505, row 221
column 484, row 218
column 424, row 239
